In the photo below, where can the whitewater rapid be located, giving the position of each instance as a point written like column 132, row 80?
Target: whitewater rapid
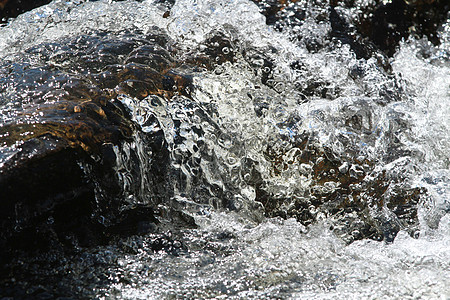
column 234, row 117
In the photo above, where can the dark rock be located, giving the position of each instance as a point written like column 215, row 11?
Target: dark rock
column 58, row 171
column 76, row 172
column 347, row 189
column 13, row 8
column 273, row 10
column 398, row 19
column 379, row 25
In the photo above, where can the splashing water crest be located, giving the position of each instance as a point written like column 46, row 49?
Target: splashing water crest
column 239, row 137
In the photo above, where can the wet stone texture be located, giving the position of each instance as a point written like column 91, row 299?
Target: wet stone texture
column 62, row 127
column 349, row 192
column 62, row 135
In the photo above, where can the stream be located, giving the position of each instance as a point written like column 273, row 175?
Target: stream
column 306, row 167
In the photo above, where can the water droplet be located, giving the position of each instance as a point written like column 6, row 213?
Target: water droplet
column 344, row 168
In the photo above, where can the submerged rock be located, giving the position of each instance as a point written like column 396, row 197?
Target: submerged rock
column 359, row 199
column 63, row 130
column 351, row 193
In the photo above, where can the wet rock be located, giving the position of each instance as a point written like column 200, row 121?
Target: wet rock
column 79, row 169
column 63, row 133
column 358, row 200
column 76, row 171
column 373, row 24
column 396, row 20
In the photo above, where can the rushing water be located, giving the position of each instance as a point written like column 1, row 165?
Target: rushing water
column 396, row 124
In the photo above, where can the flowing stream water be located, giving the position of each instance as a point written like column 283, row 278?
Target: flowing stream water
column 395, row 123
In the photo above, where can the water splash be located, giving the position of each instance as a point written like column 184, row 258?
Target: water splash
column 289, row 123
column 282, row 259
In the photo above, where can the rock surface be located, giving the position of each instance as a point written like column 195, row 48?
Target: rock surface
column 62, row 130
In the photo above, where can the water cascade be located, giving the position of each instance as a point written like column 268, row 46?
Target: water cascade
column 226, row 149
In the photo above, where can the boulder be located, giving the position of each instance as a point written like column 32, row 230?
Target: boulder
column 63, row 132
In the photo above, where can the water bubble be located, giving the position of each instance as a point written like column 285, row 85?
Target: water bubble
column 225, row 141
column 232, row 160
column 356, row 171
column 280, row 87
column 344, row 168
column 215, row 202
column 258, row 62
column 101, row 220
column 237, row 202
column 247, row 177
column 219, row 70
